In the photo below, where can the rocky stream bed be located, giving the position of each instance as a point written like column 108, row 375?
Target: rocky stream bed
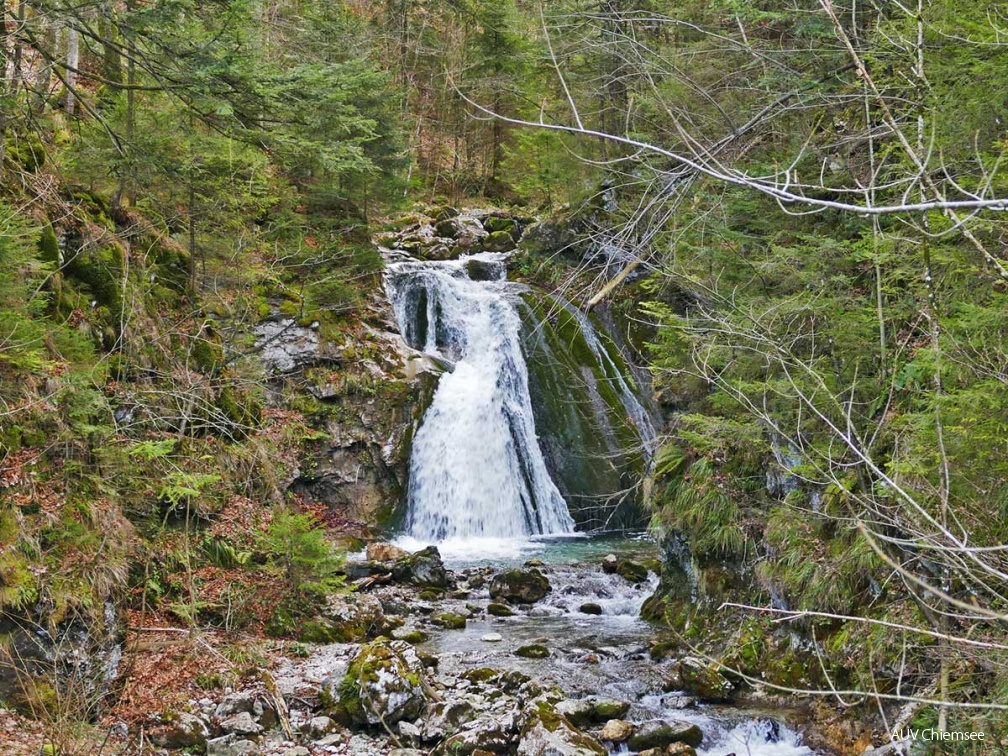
column 529, row 658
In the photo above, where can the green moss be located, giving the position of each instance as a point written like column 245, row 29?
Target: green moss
column 48, row 246
column 532, row 651
column 450, row 621
column 479, row 674
column 415, row 636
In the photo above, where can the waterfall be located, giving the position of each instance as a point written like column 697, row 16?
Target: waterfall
column 476, row 469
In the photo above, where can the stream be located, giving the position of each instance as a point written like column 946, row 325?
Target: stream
column 482, row 490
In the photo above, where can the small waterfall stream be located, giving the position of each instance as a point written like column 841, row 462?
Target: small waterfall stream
column 476, row 469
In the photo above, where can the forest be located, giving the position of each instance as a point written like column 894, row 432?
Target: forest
column 786, row 220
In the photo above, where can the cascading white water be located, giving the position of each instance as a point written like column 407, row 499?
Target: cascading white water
column 476, row 470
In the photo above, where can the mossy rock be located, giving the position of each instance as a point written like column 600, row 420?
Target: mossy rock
column 450, row 621
column 519, row 586
column 479, row 674
column 548, row 732
column 414, row 636
column 48, row 246
column 632, row 571
column 532, row 651
column 703, row 680
column 498, row 241
column 384, row 684
column 101, row 270
column 499, row 610
column 500, row 224
column 661, row 733
column 590, row 608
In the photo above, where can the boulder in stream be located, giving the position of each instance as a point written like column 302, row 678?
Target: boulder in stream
column 549, row 733
column 519, row 586
column 379, row 551
column 702, row 679
column 660, row 733
column 424, row 568
column 616, row 730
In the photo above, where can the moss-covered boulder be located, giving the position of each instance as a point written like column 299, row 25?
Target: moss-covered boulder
column 450, row 621
column 632, row 571
column 498, row 610
column 498, row 241
column 519, row 586
column 702, row 679
column 499, row 224
column 661, row 733
column 532, row 651
column 424, row 568
column 385, row 683
column 549, row 733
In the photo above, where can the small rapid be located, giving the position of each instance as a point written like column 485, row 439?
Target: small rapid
column 477, row 480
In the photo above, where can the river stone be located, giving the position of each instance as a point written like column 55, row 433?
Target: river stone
column 532, row 651
column 660, row 733
column 631, row 571
column 701, row 679
column 616, row 730
column 590, row 608
column 587, row 711
column 492, row 638
column 549, row 733
column 679, row 749
column 424, row 568
column 241, row 724
column 498, row 610
column 609, row 564
column 495, row 734
column 384, row 684
column 184, row 731
column 450, row 621
column 519, row 586
column 379, row 551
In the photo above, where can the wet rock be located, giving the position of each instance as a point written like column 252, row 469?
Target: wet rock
column 679, row 749
column 660, row 733
column 492, row 638
column 483, row 270
column 702, row 679
column 450, row 621
column 548, row 733
column 424, row 568
column 413, row 635
column 609, row 564
column 183, row 731
column 498, row 610
column 590, row 608
column 616, row 730
column 231, row 745
column 384, row 684
column 632, row 571
column 490, row 733
column 379, row 551
column 532, row 651
column 583, row 712
column 241, row 723
column 519, row 586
